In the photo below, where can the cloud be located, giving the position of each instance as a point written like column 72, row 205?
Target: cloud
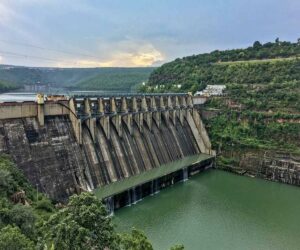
column 136, row 59
column 1, row 59
column 125, row 55
column 6, row 13
column 13, row 23
column 132, row 53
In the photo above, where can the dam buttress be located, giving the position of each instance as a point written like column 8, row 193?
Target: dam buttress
column 68, row 145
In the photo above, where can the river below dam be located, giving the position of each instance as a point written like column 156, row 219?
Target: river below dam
column 218, row 210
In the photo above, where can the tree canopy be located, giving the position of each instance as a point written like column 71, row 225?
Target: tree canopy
column 260, row 63
column 11, row 238
column 84, row 223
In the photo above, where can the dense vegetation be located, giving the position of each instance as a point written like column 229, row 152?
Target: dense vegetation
column 29, row 220
column 122, row 79
column 257, row 116
column 260, row 63
column 234, row 130
column 260, row 110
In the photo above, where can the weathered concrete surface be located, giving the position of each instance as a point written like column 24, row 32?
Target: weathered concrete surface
column 49, row 156
column 76, row 123
column 18, row 110
column 56, row 109
column 12, row 110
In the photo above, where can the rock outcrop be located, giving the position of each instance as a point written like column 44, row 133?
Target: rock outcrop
column 274, row 166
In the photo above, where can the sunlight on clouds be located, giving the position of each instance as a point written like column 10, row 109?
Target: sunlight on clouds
column 145, row 56
column 1, row 59
column 138, row 59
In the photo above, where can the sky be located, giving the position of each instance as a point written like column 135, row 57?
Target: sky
column 136, row 33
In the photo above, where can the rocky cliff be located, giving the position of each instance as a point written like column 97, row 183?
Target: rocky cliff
column 274, row 166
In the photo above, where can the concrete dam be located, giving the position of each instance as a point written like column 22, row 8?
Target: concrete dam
column 121, row 147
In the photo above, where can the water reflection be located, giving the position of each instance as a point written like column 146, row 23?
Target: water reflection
column 218, row 210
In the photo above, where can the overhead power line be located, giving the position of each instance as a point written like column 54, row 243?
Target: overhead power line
column 12, row 54
column 27, row 56
column 43, row 48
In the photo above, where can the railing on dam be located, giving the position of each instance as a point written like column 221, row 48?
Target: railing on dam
column 96, row 94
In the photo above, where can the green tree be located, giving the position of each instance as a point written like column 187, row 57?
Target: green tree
column 11, row 179
column 5, row 207
column 136, row 240
column 257, row 44
column 11, row 238
column 6, row 182
column 83, row 224
column 24, row 218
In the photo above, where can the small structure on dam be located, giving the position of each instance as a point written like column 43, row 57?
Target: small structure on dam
column 120, row 146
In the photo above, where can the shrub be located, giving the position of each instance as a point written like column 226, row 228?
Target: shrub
column 45, row 204
column 11, row 238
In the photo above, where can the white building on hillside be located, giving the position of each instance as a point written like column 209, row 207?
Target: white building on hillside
column 211, row 90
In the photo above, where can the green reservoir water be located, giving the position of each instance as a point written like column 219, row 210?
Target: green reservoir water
column 218, row 210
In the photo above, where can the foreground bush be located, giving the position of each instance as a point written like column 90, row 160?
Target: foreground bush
column 11, row 238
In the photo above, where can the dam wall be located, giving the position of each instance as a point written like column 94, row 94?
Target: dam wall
column 83, row 144
column 49, row 156
column 11, row 110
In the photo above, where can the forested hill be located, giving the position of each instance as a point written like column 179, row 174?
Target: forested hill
column 260, row 111
column 116, row 79
column 122, row 79
column 260, row 63
column 7, row 86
